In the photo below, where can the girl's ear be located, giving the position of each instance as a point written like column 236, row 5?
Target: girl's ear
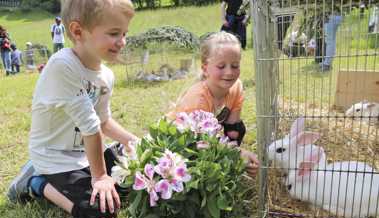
column 204, row 68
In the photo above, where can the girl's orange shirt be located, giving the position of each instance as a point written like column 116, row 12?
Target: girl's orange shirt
column 199, row 97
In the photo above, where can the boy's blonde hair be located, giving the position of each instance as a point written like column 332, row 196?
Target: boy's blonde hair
column 216, row 41
column 90, row 12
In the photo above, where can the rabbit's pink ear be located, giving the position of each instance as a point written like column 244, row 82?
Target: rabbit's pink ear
column 305, row 138
column 297, row 126
column 306, row 166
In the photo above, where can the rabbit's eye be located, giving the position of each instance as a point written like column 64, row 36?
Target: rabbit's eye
column 280, row 150
column 357, row 110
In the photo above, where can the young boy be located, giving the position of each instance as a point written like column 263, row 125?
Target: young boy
column 16, row 57
column 71, row 112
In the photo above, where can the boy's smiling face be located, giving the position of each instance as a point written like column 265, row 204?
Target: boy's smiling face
column 105, row 40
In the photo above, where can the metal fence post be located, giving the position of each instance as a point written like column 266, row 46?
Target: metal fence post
column 266, row 86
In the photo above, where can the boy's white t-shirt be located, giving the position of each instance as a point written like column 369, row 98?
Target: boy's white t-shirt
column 69, row 101
column 58, row 31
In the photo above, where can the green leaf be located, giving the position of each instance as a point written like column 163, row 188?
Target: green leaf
column 151, row 216
column 204, row 201
column 222, row 202
column 192, row 184
column 182, row 140
column 172, row 130
column 212, row 207
column 146, row 156
column 190, row 151
column 134, row 205
column 163, row 126
column 153, row 130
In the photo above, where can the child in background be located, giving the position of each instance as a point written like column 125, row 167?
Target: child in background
column 220, row 89
column 16, row 57
column 71, row 114
column 29, row 56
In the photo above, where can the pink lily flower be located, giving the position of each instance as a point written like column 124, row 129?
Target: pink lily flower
column 202, row 145
column 142, row 182
column 165, row 188
column 173, row 169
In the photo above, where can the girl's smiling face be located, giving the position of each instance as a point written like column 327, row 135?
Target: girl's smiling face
column 222, row 68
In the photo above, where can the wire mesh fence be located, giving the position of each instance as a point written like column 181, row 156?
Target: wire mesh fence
column 317, row 83
column 158, row 64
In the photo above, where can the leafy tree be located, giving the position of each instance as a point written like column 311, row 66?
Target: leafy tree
column 53, row 6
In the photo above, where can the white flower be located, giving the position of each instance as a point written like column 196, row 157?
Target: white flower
column 121, row 171
column 119, row 174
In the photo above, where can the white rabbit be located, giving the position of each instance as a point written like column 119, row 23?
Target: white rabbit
column 365, row 109
column 286, row 152
column 348, row 188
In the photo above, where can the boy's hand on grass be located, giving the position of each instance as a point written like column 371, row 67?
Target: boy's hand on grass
column 104, row 186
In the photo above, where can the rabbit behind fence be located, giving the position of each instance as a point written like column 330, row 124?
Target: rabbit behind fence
column 368, row 111
column 348, row 188
column 286, row 152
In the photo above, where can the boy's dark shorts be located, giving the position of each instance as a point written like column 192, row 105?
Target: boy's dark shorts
column 76, row 185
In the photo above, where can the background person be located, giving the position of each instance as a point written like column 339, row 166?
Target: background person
column 16, row 56
column 57, row 34
column 234, row 17
column 5, row 50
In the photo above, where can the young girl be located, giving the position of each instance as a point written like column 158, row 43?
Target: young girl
column 220, row 90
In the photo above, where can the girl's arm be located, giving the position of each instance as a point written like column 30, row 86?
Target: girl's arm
column 234, row 117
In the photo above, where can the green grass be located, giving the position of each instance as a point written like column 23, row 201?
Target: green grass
column 135, row 115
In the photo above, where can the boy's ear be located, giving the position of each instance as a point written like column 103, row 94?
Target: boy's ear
column 76, row 30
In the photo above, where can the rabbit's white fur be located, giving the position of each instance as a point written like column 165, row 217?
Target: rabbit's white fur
column 365, row 109
column 347, row 188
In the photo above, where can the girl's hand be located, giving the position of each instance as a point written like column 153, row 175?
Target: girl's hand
column 252, row 162
column 232, row 135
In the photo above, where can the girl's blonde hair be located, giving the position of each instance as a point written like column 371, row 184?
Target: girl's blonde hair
column 90, row 12
column 216, row 41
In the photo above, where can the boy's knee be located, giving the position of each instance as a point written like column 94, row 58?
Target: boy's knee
column 38, row 184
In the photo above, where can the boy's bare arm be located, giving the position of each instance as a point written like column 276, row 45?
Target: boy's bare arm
column 116, row 132
column 102, row 184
